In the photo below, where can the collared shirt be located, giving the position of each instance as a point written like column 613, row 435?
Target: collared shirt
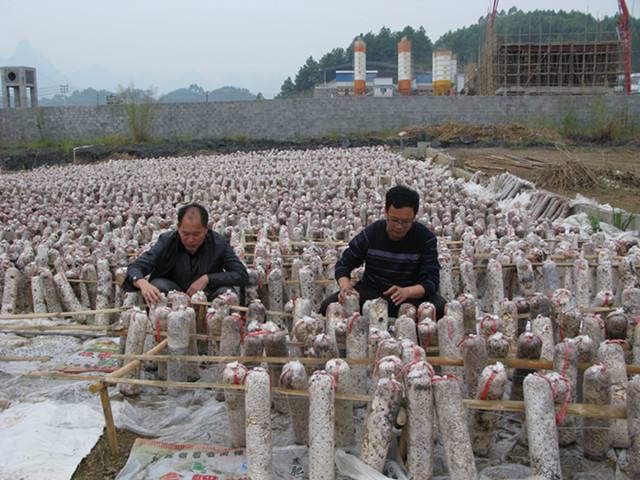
column 186, row 269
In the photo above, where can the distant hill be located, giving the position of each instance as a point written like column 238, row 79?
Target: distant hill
column 26, row 55
column 195, row 93
column 77, row 98
column 192, row 94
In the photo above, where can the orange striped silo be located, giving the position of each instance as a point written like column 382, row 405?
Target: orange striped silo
column 359, row 67
column 405, row 72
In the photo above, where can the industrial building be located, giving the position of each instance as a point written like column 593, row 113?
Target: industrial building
column 536, row 63
column 19, row 87
column 444, row 80
column 529, row 67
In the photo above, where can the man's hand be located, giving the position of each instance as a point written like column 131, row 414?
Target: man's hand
column 149, row 292
column 345, row 288
column 399, row 295
column 200, row 284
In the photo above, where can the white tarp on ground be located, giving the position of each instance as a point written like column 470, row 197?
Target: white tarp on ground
column 46, row 439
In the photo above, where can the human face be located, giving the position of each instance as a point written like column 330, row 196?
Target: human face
column 192, row 234
column 399, row 222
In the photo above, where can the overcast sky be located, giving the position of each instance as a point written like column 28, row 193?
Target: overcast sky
column 246, row 43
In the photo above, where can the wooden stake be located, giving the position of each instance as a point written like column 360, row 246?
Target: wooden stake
column 112, row 437
column 201, row 313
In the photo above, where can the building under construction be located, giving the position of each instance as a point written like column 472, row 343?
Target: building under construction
column 526, row 65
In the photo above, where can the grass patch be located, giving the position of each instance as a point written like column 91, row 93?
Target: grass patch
column 239, row 138
column 67, row 144
column 601, row 125
column 64, row 144
column 594, row 221
column 618, row 220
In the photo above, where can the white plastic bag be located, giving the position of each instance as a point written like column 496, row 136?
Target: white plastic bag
column 355, row 468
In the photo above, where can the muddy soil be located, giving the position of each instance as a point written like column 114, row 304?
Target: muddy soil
column 100, row 463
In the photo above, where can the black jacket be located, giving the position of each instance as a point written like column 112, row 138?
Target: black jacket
column 216, row 259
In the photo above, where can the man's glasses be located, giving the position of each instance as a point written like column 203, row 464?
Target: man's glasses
column 399, row 221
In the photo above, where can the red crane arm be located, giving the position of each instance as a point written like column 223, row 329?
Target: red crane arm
column 494, row 11
column 623, row 24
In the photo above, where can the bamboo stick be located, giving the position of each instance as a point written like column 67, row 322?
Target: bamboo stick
column 26, row 316
column 79, row 334
column 317, row 282
column 24, row 358
column 241, row 359
column 238, row 308
column 573, row 409
column 62, row 376
column 62, row 328
column 303, row 243
column 224, row 386
column 439, row 361
column 583, row 310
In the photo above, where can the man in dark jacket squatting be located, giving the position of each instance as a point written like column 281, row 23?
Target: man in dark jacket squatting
column 188, row 259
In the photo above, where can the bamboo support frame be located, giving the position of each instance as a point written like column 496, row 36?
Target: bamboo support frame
column 28, row 316
column 132, row 365
column 596, row 411
column 101, row 388
column 581, row 410
column 436, row 361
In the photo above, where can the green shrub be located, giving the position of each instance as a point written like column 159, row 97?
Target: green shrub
column 138, row 105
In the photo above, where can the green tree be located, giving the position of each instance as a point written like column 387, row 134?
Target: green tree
column 308, row 75
column 287, row 89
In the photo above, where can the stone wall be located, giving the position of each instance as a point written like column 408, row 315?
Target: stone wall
column 309, row 117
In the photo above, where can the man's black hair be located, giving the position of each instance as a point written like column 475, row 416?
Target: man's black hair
column 400, row 197
column 204, row 216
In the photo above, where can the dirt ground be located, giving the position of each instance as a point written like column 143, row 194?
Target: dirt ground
column 608, row 174
column 100, row 463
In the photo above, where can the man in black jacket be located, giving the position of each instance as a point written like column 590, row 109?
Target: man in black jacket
column 188, row 259
column 400, row 257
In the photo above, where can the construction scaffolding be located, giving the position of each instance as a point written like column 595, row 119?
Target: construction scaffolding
column 555, row 64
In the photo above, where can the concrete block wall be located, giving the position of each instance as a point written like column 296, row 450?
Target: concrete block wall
column 287, row 119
